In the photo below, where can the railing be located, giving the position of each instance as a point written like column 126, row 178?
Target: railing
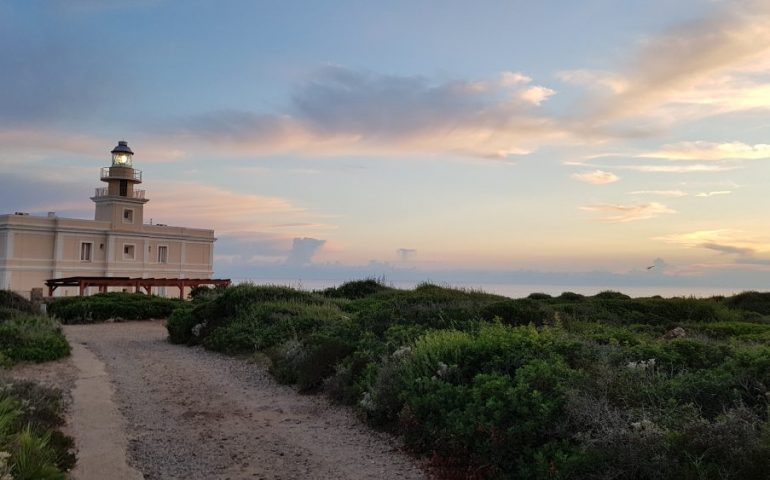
column 121, row 173
column 104, row 192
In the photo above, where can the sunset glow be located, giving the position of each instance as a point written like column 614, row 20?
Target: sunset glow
column 409, row 139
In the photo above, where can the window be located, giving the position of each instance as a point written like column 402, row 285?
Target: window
column 128, row 251
column 128, row 215
column 85, row 251
column 162, row 254
column 124, row 188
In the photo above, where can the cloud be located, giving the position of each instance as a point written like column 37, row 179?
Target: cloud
column 244, row 247
column 703, row 151
column 28, row 144
column 660, row 193
column 711, row 194
column 303, row 250
column 628, row 213
column 536, row 95
column 593, row 79
column 196, row 204
column 725, row 241
column 341, row 111
column 406, row 254
column 705, row 67
column 652, row 168
column 699, row 237
column 597, row 177
column 727, row 249
column 51, row 74
column 694, row 168
column 38, row 196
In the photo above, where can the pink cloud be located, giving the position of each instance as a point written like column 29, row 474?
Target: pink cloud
column 614, row 213
column 597, row 177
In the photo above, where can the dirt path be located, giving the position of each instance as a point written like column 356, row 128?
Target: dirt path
column 191, row 414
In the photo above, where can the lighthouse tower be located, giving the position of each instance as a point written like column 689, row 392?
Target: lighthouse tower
column 120, row 202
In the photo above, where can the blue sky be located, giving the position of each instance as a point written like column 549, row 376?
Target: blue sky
column 416, row 136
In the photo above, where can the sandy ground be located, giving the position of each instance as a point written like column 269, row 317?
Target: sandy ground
column 191, row 414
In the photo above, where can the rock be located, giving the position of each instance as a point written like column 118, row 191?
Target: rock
column 677, row 332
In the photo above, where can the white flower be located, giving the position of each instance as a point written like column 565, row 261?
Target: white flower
column 367, row 402
column 196, row 330
column 402, row 352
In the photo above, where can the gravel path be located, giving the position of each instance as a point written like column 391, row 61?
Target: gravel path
column 191, row 414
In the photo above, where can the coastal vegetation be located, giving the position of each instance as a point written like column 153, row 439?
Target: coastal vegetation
column 115, row 306
column 546, row 387
column 31, row 444
column 26, row 335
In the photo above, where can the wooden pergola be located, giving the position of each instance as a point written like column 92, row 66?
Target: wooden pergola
column 136, row 283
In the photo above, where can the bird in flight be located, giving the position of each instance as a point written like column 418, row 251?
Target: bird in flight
column 650, row 267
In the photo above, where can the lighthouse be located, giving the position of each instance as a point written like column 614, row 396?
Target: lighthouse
column 115, row 250
column 120, row 202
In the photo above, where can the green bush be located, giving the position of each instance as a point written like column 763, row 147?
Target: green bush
column 205, row 293
column 539, row 388
column 611, row 295
column 112, row 306
column 495, row 398
column 32, row 338
column 263, row 325
column 309, row 363
column 357, row 289
column 758, row 302
column 518, row 312
column 743, row 330
column 180, row 325
column 14, row 301
column 429, row 306
column 539, row 296
column 571, row 297
column 30, row 416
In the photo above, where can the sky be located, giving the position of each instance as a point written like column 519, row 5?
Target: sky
column 506, row 141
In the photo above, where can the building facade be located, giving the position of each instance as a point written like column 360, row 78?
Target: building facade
column 117, row 243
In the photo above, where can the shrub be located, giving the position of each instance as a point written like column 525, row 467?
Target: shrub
column 429, row 306
column 32, row 338
column 180, row 325
column 14, row 301
column 112, row 306
column 262, row 325
column 205, row 293
column 539, row 296
column 518, row 312
column 752, row 301
column 30, row 416
column 309, row 363
column 357, row 289
column 539, row 388
column 612, row 295
column 241, row 298
column 571, row 297
column 744, row 330
column 486, row 396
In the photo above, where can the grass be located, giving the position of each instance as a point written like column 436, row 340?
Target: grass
column 545, row 387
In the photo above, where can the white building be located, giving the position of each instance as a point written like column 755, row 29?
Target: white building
column 117, row 243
